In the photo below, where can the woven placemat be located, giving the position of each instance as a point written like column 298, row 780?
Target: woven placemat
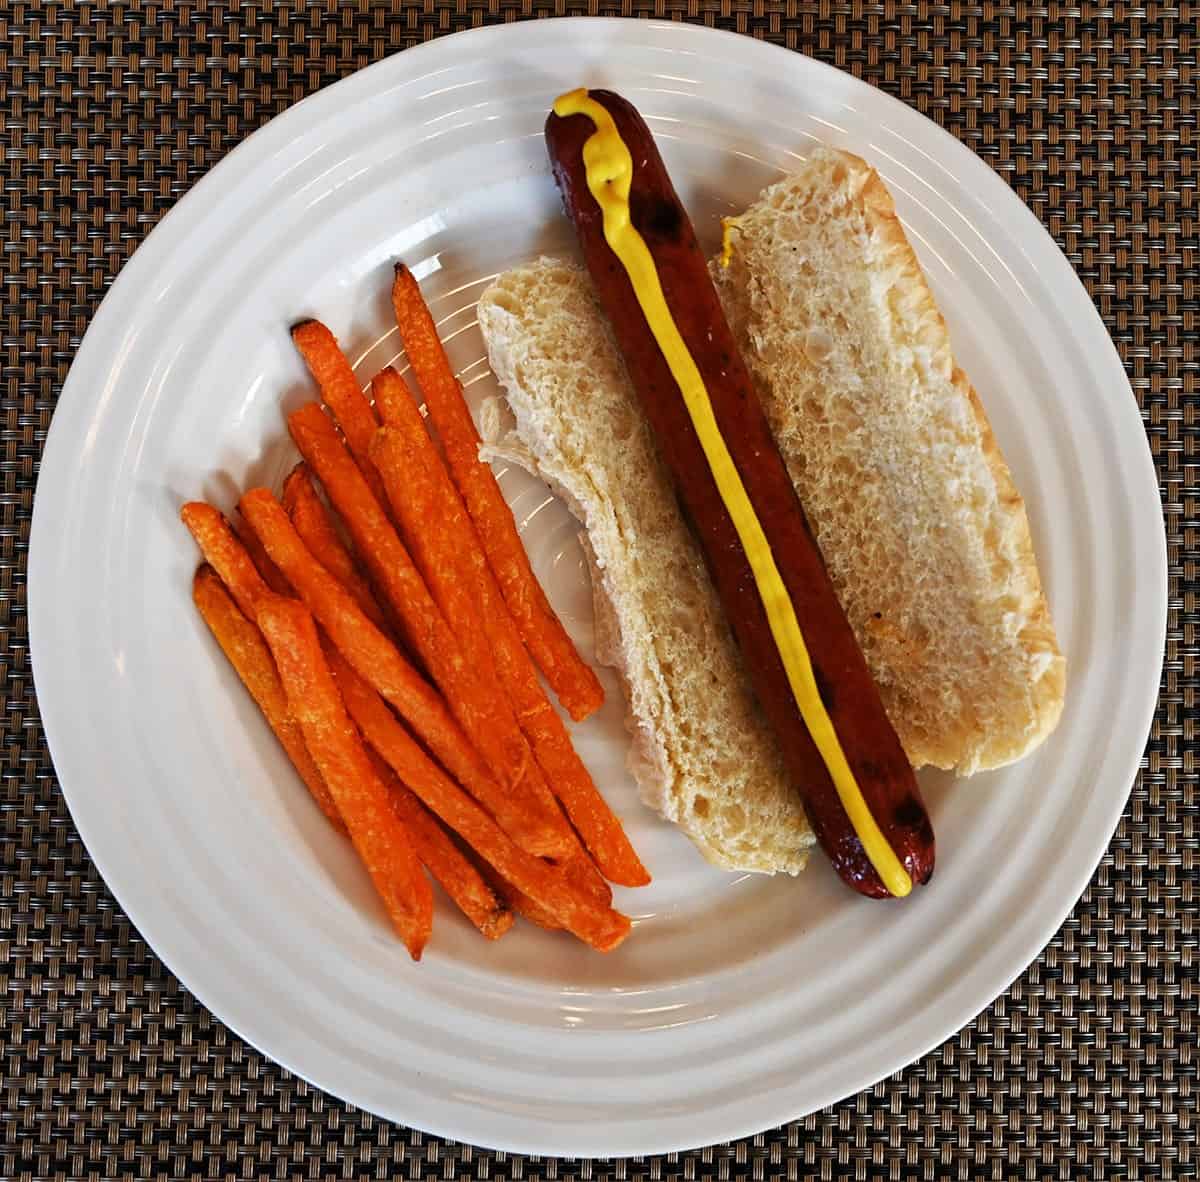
column 1087, row 1067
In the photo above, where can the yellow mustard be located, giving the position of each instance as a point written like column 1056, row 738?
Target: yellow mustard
column 609, row 168
column 728, row 225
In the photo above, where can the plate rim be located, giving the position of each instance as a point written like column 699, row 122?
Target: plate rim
column 75, row 391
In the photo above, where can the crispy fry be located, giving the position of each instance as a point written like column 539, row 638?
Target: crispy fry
column 438, row 541
column 314, row 524
column 434, row 541
column 597, row 925
column 380, row 662
column 581, row 873
column 272, row 575
column 242, row 643
column 436, row 850
column 526, row 907
column 363, row 800
column 450, row 555
column 484, row 715
column 516, row 900
column 543, row 633
column 227, row 556
column 453, row 870
column 340, row 392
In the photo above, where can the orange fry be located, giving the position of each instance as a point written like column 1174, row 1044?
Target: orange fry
column 434, row 542
column 525, row 907
column 485, row 716
column 272, row 575
column 340, row 392
column 517, row 901
column 597, row 925
column 543, row 633
column 450, row 555
column 227, row 556
column 581, row 872
column 380, row 662
column 363, row 800
column 242, row 643
column 438, row 853
column 317, row 531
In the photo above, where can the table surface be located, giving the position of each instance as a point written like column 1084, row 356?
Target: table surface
column 1087, row 1067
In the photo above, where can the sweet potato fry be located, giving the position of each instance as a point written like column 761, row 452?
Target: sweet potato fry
column 450, row 555
column 380, row 662
column 272, row 575
column 363, row 800
column 581, row 873
column 439, row 543
column 434, row 540
column 242, row 643
column 483, row 714
column 317, row 531
column 438, row 853
column 522, row 905
column 578, row 872
column 597, row 925
column 227, row 556
column 516, row 901
column 340, row 392
column 543, row 633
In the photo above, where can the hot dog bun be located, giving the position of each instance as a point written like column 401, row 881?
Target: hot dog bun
column 911, row 501
column 702, row 754
column 923, row 532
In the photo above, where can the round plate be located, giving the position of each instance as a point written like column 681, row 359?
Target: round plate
column 739, row 1002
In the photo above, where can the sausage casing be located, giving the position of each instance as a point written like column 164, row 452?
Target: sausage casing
column 846, row 689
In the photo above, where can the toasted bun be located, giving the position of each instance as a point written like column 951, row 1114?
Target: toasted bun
column 922, row 530
column 702, row 754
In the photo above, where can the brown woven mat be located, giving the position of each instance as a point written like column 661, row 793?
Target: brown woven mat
column 1086, row 1068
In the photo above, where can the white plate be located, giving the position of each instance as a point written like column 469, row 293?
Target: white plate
column 739, row 1002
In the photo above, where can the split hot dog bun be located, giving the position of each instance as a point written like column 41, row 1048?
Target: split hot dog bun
column 922, row 530
column 702, row 753
column 924, row 536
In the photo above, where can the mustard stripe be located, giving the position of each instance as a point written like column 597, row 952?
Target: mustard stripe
column 728, row 225
column 609, row 167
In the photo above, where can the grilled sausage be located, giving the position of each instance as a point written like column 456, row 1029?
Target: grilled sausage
column 843, row 681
